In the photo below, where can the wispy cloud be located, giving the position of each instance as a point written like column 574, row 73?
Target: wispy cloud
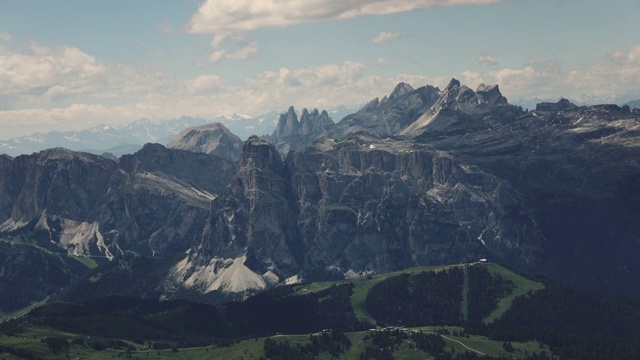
column 231, row 16
column 245, row 52
column 384, row 37
column 222, row 18
column 487, row 59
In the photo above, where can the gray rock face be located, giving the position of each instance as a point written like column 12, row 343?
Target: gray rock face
column 390, row 115
column 90, row 206
column 460, row 109
column 57, row 180
column 362, row 204
column 575, row 166
column 294, row 134
column 213, row 139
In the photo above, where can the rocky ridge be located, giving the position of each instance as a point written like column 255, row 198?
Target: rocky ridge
column 460, row 109
column 391, row 114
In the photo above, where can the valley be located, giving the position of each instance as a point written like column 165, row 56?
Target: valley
column 312, row 320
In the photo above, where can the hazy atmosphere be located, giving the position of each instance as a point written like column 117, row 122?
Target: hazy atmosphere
column 76, row 64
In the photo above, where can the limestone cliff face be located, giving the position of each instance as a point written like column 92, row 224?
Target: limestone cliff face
column 362, row 204
column 57, row 180
column 153, row 202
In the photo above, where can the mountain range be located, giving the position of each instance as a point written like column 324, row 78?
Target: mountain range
column 128, row 138
column 421, row 177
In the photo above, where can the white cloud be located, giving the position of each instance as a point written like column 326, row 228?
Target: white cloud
column 231, row 16
column 48, row 70
column 204, row 96
column 617, row 74
column 487, row 59
column 7, row 37
column 222, row 18
column 246, row 52
column 384, row 37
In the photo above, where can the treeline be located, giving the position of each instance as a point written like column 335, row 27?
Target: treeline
column 485, row 290
column 574, row 324
column 187, row 323
column 332, row 342
column 385, row 343
column 417, row 299
column 271, row 311
column 31, row 274
column 467, row 355
column 19, row 353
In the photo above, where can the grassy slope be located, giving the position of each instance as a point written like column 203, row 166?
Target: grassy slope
column 252, row 349
column 523, row 286
column 362, row 286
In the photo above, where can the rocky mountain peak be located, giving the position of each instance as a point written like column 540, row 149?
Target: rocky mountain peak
column 453, row 83
column 213, row 139
column 400, row 90
column 490, row 94
column 288, row 124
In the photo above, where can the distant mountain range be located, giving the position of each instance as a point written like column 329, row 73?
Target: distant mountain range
column 121, row 139
column 128, row 138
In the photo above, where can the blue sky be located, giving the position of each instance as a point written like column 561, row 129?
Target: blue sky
column 76, row 64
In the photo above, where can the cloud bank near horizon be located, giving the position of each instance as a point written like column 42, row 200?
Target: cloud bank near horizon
column 63, row 87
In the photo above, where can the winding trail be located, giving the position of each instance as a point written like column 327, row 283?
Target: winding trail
column 461, row 343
